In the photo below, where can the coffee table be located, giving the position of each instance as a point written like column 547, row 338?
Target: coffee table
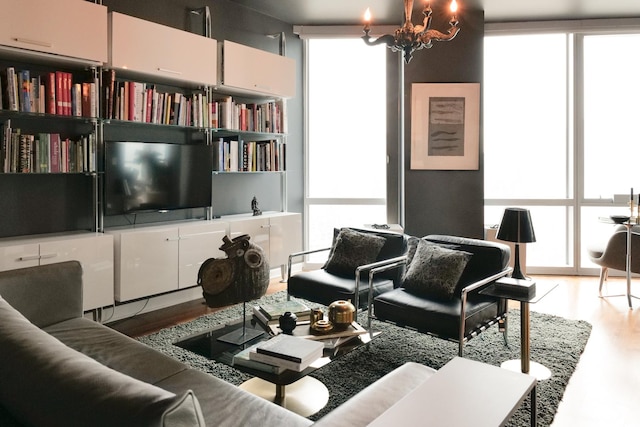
column 295, row 391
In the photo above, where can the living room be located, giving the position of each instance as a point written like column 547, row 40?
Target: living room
column 461, row 204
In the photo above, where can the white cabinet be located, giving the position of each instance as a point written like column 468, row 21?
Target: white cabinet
column 285, row 232
column 157, row 259
column 278, row 233
column 159, row 52
column 257, row 228
column 247, row 70
column 94, row 251
column 197, row 244
column 69, row 28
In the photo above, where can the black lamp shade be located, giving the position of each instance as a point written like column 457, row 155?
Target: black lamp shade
column 516, row 226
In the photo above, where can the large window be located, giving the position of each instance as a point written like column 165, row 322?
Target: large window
column 560, row 136
column 527, row 152
column 346, row 147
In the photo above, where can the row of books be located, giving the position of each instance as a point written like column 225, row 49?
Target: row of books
column 143, row 102
column 249, row 156
column 270, row 313
column 269, row 117
column 46, row 153
column 48, row 93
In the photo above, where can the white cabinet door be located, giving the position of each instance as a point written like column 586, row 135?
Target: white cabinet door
column 70, row 28
column 95, row 254
column 159, row 51
column 18, row 255
column 285, row 237
column 147, row 263
column 256, row 71
column 198, row 244
column 256, row 228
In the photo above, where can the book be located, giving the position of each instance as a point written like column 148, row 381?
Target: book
column 276, row 361
column 293, row 349
column 520, row 287
column 274, row 310
column 303, row 330
column 242, row 359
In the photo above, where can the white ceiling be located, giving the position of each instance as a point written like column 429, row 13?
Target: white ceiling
column 344, row 12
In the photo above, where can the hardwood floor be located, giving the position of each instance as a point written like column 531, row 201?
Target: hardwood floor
column 606, row 384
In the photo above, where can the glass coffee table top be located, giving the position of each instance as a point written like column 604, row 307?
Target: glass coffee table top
column 304, row 395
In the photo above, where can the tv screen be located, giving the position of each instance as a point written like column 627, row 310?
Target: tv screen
column 156, row 176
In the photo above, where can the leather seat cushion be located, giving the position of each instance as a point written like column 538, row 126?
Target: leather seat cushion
column 438, row 317
column 325, row 288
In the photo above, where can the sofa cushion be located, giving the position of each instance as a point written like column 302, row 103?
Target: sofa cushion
column 351, row 250
column 115, row 350
column 435, row 270
column 47, row 383
column 488, row 258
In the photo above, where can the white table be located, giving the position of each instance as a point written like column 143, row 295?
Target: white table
column 463, row 393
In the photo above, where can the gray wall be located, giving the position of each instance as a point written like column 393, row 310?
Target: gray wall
column 445, row 202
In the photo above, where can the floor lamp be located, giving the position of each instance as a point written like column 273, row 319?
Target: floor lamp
column 516, row 227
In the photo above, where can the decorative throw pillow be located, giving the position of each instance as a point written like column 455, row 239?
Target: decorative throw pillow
column 435, row 270
column 351, row 250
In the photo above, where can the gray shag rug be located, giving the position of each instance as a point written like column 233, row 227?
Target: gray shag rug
column 556, row 342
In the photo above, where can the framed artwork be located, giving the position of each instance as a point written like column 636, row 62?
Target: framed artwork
column 445, row 126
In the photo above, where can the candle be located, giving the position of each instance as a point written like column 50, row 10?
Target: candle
column 367, row 19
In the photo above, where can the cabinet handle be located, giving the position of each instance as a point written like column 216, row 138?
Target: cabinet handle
column 45, row 256
column 262, row 87
column 171, row 239
column 166, row 70
column 265, row 226
column 29, row 258
column 35, row 42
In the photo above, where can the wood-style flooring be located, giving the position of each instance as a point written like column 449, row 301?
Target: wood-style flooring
column 605, row 387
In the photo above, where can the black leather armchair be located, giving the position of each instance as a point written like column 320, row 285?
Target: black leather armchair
column 463, row 316
column 324, row 287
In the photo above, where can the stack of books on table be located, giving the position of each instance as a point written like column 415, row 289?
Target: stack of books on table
column 517, row 287
column 268, row 314
column 288, row 352
column 242, row 359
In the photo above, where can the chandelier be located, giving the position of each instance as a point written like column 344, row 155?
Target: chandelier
column 409, row 37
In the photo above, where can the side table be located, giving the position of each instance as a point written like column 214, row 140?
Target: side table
column 524, row 364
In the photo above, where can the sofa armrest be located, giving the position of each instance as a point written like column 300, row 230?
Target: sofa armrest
column 46, row 294
column 371, row 402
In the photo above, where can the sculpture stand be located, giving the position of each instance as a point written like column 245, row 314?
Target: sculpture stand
column 241, row 335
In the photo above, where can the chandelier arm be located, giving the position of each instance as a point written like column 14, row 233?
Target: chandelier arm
column 428, row 36
column 387, row 39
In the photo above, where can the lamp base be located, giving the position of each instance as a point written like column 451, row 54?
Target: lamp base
column 240, row 336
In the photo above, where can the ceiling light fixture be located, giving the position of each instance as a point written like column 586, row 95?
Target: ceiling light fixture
column 410, row 38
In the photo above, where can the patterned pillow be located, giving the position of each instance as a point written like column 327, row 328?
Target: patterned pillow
column 351, row 250
column 435, row 270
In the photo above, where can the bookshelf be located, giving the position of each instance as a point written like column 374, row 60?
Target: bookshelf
column 123, row 79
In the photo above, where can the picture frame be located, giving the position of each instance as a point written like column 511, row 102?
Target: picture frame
column 445, row 126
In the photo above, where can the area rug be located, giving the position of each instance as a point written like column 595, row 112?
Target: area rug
column 556, row 342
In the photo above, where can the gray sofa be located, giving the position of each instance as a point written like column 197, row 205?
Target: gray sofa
column 58, row 368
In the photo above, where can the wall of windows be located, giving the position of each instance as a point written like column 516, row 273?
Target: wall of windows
column 561, row 133
column 346, row 140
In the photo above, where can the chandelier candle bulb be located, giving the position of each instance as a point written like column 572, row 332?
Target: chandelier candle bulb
column 367, row 20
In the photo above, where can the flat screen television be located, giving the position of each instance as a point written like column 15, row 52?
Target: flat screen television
column 156, row 176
